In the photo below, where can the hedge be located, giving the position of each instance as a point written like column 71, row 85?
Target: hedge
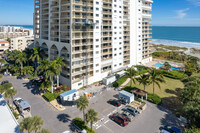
column 174, row 74
column 154, row 98
column 120, row 81
column 81, row 124
column 51, row 96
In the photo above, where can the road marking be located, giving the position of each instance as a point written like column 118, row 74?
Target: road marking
column 118, row 125
column 98, row 127
column 106, row 121
column 108, row 129
column 109, row 114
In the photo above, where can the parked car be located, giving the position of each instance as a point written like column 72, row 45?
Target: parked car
column 3, row 82
column 131, row 110
column 123, row 121
column 127, row 115
column 17, row 101
column 116, row 103
column 170, row 129
column 24, row 109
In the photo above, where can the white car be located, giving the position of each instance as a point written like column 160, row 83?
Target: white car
column 17, row 101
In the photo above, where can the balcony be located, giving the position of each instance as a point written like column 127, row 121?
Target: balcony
column 147, row 7
column 146, row 15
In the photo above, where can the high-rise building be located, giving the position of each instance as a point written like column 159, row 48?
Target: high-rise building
column 95, row 37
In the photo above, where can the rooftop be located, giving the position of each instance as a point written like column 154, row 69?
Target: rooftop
column 8, row 123
column 68, row 93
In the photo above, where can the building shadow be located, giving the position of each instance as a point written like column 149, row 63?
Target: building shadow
column 73, row 128
column 63, row 118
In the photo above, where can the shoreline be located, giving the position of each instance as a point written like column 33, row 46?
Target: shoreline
column 189, row 51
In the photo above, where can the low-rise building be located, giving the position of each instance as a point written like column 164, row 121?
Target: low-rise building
column 4, row 45
column 20, row 43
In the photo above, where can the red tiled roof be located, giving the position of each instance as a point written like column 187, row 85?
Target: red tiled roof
column 4, row 42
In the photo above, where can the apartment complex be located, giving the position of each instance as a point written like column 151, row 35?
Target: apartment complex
column 95, row 37
column 13, row 32
column 20, row 43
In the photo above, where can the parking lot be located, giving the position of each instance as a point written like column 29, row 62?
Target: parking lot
column 149, row 121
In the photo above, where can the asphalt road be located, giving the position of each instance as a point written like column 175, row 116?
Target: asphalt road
column 58, row 121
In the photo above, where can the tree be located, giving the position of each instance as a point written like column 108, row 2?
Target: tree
column 91, row 117
column 27, row 70
column 82, row 104
column 44, row 85
column 31, row 124
column 37, row 123
column 10, row 93
column 144, row 80
column 26, row 124
column 155, row 77
column 167, row 65
column 59, row 64
column 131, row 73
column 191, row 130
column 9, row 40
column 44, row 65
column 21, row 58
column 51, row 71
column 189, row 68
column 36, row 54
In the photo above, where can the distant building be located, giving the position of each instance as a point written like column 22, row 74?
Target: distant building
column 8, row 123
column 20, row 43
column 13, row 32
column 4, row 45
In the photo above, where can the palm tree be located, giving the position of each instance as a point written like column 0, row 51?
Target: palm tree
column 21, row 58
column 31, row 124
column 144, row 80
column 27, row 70
column 37, row 123
column 51, row 71
column 59, row 64
column 44, row 85
column 155, row 77
column 91, row 116
column 26, row 124
column 36, row 55
column 131, row 73
column 44, row 65
column 82, row 104
column 189, row 68
column 10, row 93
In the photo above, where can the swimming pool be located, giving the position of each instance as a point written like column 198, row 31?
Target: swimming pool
column 160, row 65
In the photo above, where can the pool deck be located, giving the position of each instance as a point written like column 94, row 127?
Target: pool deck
column 151, row 64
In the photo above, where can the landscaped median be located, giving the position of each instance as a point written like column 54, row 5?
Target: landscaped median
column 81, row 124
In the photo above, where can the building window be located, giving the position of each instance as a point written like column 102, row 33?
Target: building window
column 115, row 49
column 97, row 9
column 97, row 71
column 97, row 65
column 79, row 84
column 97, row 15
column 97, row 3
column 97, row 46
column 97, row 40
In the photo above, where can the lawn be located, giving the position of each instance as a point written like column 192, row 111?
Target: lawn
column 168, row 92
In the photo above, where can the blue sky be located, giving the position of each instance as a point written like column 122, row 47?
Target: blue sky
column 165, row 12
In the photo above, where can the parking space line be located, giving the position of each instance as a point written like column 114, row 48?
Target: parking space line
column 106, row 121
column 98, row 127
column 118, row 125
column 108, row 129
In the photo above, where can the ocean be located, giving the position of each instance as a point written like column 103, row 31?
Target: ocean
column 177, row 36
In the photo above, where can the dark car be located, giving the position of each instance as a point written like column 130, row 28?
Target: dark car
column 116, row 103
column 170, row 129
column 131, row 110
column 123, row 121
column 3, row 82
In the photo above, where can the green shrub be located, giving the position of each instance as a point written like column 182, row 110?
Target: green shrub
column 1, row 76
column 143, row 71
column 16, row 74
column 139, row 100
column 51, row 96
column 154, row 98
column 80, row 123
column 120, row 81
column 6, row 86
column 30, row 77
column 174, row 74
column 16, row 115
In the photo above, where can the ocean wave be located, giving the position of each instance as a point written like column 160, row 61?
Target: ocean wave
column 176, row 43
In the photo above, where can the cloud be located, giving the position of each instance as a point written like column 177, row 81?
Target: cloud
column 181, row 13
column 194, row 2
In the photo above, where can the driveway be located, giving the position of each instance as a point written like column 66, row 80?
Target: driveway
column 58, row 121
